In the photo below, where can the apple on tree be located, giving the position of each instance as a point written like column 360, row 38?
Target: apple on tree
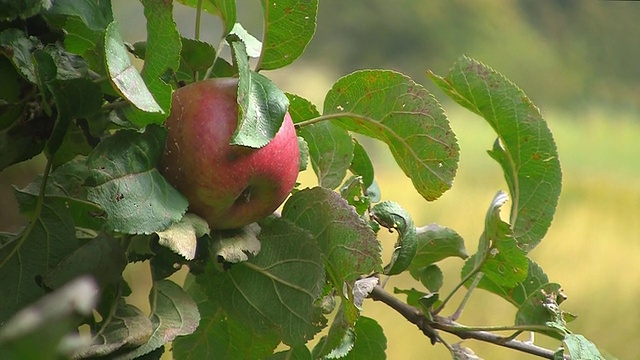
column 228, row 185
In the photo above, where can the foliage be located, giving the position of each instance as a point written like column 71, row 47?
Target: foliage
column 73, row 94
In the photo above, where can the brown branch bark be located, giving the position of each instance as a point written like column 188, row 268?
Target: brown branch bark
column 430, row 327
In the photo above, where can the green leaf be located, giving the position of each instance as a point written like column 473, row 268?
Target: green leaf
column 339, row 341
column 518, row 294
column 525, row 148
column 68, row 66
column 80, row 38
column 236, row 245
column 49, row 238
column 124, row 75
column 349, row 245
column 37, row 332
column 353, row 192
column 289, row 27
column 392, row 108
column 175, row 314
column 23, row 140
column 295, row 353
column 275, row 290
column 541, row 308
column 10, row 92
column 330, row 151
column 128, row 327
column 24, row 127
column 102, row 258
column 345, row 346
column 194, row 56
column 11, row 10
column 253, row 45
column 413, row 295
column 162, row 58
column 536, row 279
column 45, row 70
column 74, row 143
column 300, row 108
column 436, row 243
column 127, row 185
column 219, row 335
column 65, row 188
column 261, row 105
column 330, row 147
column 75, row 98
column 16, row 46
column 304, row 153
column 430, row 276
column 499, row 257
column 580, row 347
column 225, row 9
column 182, row 236
column 392, row 216
column 96, row 14
column 361, row 164
column 506, row 264
column 503, row 263
column 370, row 341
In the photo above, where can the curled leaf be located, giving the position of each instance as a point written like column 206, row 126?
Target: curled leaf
column 182, row 236
column 234, row 246
column 392, row 216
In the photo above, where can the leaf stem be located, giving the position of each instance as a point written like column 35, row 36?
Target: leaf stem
column 456, row 315
column 153, row 299
column 455, row 289
column 36, row 213
column 118, row 104
column 329, row 117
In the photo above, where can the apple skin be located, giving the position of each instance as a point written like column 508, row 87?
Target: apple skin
column 227, row 185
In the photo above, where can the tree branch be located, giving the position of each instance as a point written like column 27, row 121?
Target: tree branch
column 429, row 327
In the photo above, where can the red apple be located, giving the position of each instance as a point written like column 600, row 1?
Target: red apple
column 228, row 185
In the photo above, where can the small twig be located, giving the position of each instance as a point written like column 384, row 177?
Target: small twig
column 429, row 328
column 414, row 315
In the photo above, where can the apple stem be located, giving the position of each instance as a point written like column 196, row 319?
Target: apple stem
column 198, row 17
column 197, row 29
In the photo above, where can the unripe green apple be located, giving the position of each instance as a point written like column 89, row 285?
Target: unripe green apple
column 228, row 185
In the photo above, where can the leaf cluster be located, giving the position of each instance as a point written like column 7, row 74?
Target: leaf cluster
column 73, row 94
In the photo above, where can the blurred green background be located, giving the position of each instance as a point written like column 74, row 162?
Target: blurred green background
column 579, row 61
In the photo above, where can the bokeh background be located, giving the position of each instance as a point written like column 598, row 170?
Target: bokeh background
column 579, row 61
